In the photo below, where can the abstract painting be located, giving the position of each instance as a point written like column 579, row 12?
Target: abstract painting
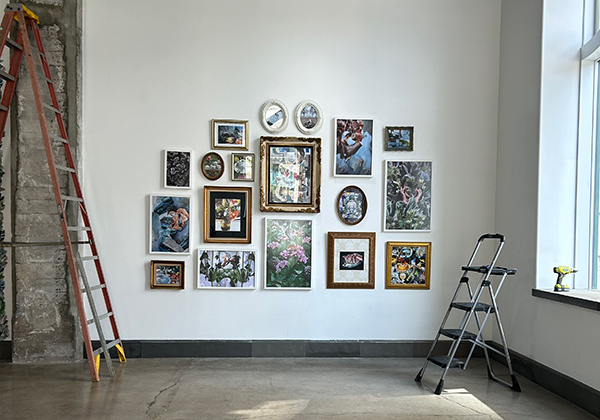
column 408, row 265
column 169, row 224
column 177, row 169
column 354, row 147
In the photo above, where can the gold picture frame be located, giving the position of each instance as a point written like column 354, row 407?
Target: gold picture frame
column 351, row 260
column 408, row 265
column 290, row 174
column 230, row 134
column 167, row 274
column 228, row 215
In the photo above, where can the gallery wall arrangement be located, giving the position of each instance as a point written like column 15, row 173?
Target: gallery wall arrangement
column 290, row 182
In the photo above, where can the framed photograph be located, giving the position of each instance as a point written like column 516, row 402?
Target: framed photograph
column 290, row 174
column 308, row 117
column 408, row 265
column 230, row 134
column 351, row 260
column 169, row 224
column 288, row 254
column 242, row 166
column 232, row 270
column 167, row 274
column 228, row 214
column 212, row 166
column 407, row 196
column 399, row 139
column 274, row 116
column 352, row 205
column 177, row 172
column 354, row 147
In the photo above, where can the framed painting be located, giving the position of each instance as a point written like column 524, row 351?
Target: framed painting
column 228, row 214
column 169, row 224
column 230, row 134
column 229, row 270
column 352, row 205
column 212, row 166
column 288, row 254
column 407, row 196
column 354, row 147
column 408, row 265
column 308, row 117
column 274, row 116
column 242, row 166
column 167, row 274
column 177, row 172
column 351, row 260
column 399, row 139
column 290, row 174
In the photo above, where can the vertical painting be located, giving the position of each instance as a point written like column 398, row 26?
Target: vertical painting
column 408, row 265
column 352, row 205
column 354, row 147
column 177, row 169
column 228, row 214
column 226, row 269
column 242, row 166
column 169, row 224
column 350, row 260
column 288, row 255
column 407, row 196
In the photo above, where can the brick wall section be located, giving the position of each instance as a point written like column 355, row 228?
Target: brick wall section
column 45, row 326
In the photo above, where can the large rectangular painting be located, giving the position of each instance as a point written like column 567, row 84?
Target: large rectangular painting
column 408, row 265
column 407, row 196
column 351, row 260
column 226, row 269
column 169, row 224
column 288, row 255
column 354, row 147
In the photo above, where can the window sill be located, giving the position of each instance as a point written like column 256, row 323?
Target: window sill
column 588, row 299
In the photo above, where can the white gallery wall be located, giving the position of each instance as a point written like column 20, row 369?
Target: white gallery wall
column 156, row 73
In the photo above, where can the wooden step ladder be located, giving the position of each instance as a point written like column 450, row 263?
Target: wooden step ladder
column 26, row 22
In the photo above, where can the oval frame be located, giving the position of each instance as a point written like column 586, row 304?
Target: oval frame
column 220, row 159
column 298, row 121
column 364, row 210
column 264, row 118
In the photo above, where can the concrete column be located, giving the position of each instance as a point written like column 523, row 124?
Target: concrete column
column 45, row 325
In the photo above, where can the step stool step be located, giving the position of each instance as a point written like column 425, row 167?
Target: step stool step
column 466, row 306
column 454, row 334
column 442, row 361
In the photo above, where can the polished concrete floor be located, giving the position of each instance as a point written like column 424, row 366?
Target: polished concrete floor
column 254, row 388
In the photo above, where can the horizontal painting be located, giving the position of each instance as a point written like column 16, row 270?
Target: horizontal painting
column 169, row 224
column 226, row 269
column 230, row 134
column 167, row 274
column 399, row 138
column 354, row 147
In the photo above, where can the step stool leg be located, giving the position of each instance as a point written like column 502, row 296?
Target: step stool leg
column 440, row 387
column 419, row 376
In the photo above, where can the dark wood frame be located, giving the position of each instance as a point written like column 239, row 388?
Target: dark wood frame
column 388, row 265
column 332, row 258
column 153, row 267
column 206, row 156
column 364, row 212
column 412, row 138
column 210, row 235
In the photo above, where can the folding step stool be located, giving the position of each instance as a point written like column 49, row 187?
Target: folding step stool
column 471, row 308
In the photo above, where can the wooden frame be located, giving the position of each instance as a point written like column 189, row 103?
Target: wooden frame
column 228, row 214
column 212, row 166
column 169, row 224
column 352, row 205
column 167, row 274
column 226, row 269
column 399, row 139
column 177, row 169
column 351, row 260
column 308, row 117
column 242, row 167
column 408, row 265
column 290, row 174
column 353, row 154
column 230, row 134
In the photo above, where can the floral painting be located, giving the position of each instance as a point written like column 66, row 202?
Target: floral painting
column 408, row 196
column 228, row 214
column 167, row 274
column 288, row 254
column 226, row 269
column 212, row 166
column 169, row 224
column 354, row 147
column 408, row 265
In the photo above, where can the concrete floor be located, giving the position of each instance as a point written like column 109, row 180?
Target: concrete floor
column 256, row 388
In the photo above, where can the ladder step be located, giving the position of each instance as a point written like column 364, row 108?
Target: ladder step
column 466, row 306
column 496, row 271
column 79, row 228
column 93, row 288
column 71, row 198
column 108, row 346
column 65, row 168
column 100, row 318
column 48, row 80
column 7, row 76
column 58, row 138
column 3, row 108
column 89, row 258
column 35, row 50
column 13, row 44
column 443, row 361
column 454, row 334
column 51, row 108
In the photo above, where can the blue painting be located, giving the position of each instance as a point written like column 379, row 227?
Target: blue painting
column 170, row 224
column 354, row 148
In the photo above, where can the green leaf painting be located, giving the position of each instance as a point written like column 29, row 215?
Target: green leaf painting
column 288, row 253
column 408, row 196
column 226, row 269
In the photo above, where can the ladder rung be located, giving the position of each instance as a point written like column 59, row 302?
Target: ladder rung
column 89, row 258
column 60, row 139
column 466, row 306
column 13, row 44
column 79, row 228
column 64, row 168
column 93, row 288
column 35, row 50
column 51, row 108
column 108, row 346
column 454, row 334
column 442, row 361
column 7, row 76
column 48, row 80
column 100, row 318
column 3, row 108
column 71, row 198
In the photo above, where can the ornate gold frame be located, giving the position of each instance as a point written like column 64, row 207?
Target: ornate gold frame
column 388, row 278
column 332, row 257
column 153, row 266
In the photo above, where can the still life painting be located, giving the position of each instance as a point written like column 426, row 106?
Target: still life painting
column 288, row 256
column 212, row 166
column 227, row 214
column 352, row 205
column 354, row 148
column 169, row 224
column 407, row 196
column 167, row 274
column 226, row 269
column 408, row 265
